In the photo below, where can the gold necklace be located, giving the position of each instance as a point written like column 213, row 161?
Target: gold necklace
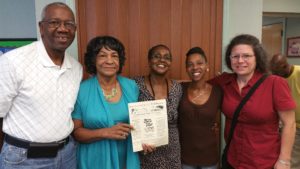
column 196, row 97
column 200, row 93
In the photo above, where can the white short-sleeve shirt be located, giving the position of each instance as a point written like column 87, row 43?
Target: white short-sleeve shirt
column 37, row 97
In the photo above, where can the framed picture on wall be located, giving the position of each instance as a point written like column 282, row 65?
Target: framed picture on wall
column 9, row 44
column 293, row 47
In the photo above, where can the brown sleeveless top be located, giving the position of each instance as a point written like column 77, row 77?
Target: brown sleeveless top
column 199, row 144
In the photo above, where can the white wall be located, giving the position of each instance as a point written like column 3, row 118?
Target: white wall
column 17, row 19
column 39, row 5
column 241, row 17
column 293, row 27
column 290, row 6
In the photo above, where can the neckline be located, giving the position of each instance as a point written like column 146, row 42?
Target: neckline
column 195, row 104
column 151, row 86
column 113, row 91
column 204, row 90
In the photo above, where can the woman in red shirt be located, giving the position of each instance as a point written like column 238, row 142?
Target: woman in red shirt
column 256, row 141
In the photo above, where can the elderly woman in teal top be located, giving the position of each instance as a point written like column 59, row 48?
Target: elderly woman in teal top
column 101, row 112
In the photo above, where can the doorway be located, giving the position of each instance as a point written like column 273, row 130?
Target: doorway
column 272, row 38
column 273, row 22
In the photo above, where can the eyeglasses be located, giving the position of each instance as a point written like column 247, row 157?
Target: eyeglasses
column 53, row 23
column 166, row 57
column 244, row 56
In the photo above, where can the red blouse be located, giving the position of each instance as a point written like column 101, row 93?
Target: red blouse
column 256, row 139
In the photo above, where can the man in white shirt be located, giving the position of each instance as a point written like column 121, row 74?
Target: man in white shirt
column 39, row 85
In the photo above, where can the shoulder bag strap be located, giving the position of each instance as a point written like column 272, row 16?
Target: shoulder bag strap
column 238, row 109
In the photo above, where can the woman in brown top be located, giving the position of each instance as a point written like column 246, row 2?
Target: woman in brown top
column 198, row 113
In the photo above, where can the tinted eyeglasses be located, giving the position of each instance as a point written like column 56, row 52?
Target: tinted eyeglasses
column 54, row 23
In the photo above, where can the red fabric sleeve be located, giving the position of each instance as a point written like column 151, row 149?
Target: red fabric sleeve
column 282, row 95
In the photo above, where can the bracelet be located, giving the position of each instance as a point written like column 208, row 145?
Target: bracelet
column 284, row 162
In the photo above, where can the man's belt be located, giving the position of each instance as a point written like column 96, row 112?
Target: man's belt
column 37, row 150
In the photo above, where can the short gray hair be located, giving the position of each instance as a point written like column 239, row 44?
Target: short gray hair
column 60, row 4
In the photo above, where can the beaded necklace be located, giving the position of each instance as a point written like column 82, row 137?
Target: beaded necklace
column 112, row 94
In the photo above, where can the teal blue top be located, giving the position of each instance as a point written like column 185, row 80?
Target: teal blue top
column 95, row 112
column 120, row 116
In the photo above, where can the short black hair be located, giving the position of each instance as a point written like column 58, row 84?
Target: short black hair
column 195, row 50
column 153, row 49
column 95, row 45
column 259, row 52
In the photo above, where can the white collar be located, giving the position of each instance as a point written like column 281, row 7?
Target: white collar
column 47, row 62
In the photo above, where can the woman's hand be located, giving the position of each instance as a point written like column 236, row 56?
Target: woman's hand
column 287, row 139
column 119, row 131
column 281, row 164
column 148, row 148
column 215, row 127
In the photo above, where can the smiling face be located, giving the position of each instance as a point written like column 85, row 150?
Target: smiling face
column 107, row 62
column 57, row 39
column 196, row 67
column 160, row 61
column 243, row 60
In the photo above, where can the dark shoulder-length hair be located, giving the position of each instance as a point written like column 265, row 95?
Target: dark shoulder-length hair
column 259, row 52
column 154, row 48
column 95, row 45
